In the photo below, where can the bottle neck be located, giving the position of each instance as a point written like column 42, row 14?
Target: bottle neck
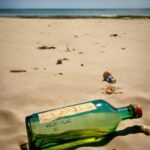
column 130, row 112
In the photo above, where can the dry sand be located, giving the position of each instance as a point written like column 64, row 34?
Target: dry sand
column 46, row 84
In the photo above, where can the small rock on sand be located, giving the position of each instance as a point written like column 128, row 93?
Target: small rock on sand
column 60, row 73
column 59, row 61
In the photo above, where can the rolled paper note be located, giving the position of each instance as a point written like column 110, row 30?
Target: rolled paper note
column 146, row 129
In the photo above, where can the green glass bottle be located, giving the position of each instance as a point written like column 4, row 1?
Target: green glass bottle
column 76, row 125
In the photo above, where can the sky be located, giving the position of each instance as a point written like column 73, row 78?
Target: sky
column 74, row 3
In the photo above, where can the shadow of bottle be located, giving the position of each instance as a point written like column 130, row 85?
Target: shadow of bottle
column 109, row 137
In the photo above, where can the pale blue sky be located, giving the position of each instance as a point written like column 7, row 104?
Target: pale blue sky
column 74, row 3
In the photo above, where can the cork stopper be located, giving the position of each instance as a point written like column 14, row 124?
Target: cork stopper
column 138, row 111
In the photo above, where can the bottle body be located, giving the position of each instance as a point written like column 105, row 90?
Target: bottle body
column 75, row 125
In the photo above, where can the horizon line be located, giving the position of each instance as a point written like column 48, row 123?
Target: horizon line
column 74, row 8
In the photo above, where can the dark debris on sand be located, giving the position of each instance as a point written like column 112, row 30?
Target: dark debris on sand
column 80, row 53
column 115, row 35
column 60, row 61
column 65, row 59
column 60, row 73
column 46, row 47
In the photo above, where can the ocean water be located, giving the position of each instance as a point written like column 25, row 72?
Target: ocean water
column 75, row 12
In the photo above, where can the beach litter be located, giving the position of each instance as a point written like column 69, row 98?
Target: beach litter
column 107, row 76
column 46, row 47
column 114, row 35
column 109, row 89
column 18, row 71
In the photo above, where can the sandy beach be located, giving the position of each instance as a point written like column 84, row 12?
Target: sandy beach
column 87, row 48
